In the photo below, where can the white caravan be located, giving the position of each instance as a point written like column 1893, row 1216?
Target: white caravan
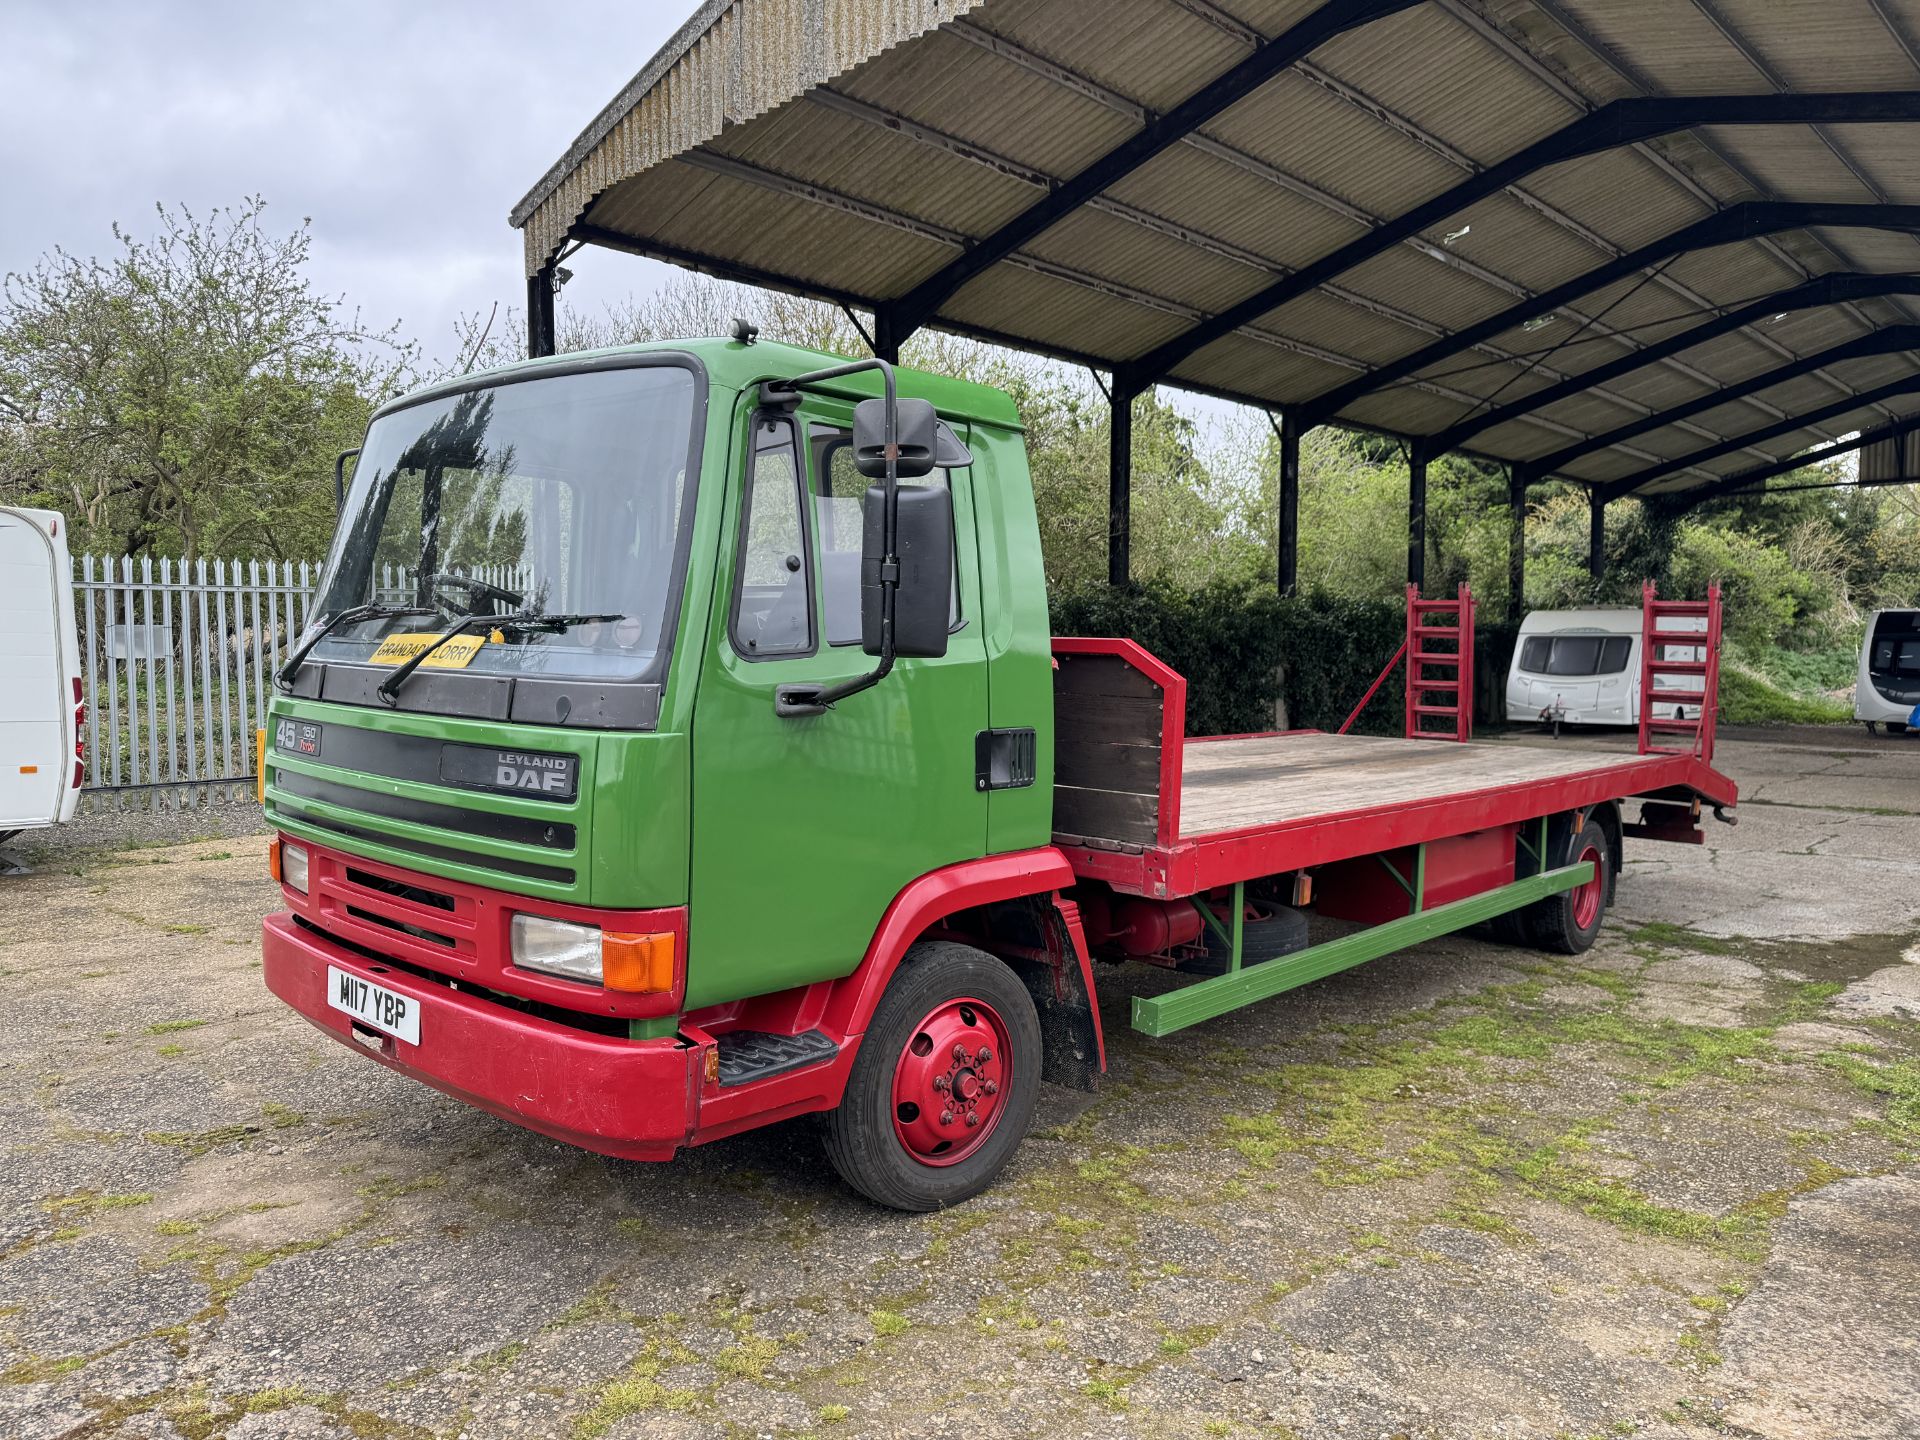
column 42, row 709
column 1888, row 689
column 1582, row 667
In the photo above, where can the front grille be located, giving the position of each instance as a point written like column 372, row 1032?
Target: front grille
column 400, row 890
column 554, row 874
column 518, row 829
column 400, row 926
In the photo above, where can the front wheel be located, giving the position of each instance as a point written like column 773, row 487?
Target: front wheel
column 1568, row 923
column 945, row 1082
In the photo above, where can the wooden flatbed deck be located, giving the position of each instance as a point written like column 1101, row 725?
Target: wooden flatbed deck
column 1258, row 780
column 1148, row 811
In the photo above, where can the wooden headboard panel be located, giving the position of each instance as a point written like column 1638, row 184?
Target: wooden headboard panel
column 1119, row 719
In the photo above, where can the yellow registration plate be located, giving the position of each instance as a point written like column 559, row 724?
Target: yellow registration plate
column 454, row 655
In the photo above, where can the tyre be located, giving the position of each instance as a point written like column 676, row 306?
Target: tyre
column 944, row 1084
column 1270, row 932
column 1896, row 727
column 1567, row 923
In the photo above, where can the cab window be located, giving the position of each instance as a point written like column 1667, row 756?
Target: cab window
column 838, row 520
column 773, row 601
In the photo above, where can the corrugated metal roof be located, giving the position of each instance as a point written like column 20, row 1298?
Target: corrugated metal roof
column 855, row 148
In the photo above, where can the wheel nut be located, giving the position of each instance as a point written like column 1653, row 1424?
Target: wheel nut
column 991, row 1088
column 946, row 1117
column 942, row 1082
column 985, row 1055
column 960, row 1053
column 972, row 1119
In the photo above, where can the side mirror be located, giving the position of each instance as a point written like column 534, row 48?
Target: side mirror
column 925, row 539
column 916, row 434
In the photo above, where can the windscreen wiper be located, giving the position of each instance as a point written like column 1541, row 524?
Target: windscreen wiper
column 522, row 620
column 283, row 677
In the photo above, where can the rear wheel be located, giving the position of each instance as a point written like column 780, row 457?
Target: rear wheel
column 1569, row 922
column 945, row 1082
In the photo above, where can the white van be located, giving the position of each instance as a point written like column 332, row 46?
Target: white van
column 43, row 711
column 1888, row 688
column 1582, row 667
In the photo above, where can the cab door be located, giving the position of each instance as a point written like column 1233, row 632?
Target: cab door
column 804, row 829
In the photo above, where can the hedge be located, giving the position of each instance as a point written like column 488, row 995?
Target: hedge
column 1242, row 647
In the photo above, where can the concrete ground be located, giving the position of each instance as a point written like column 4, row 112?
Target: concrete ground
column 1669, row 1188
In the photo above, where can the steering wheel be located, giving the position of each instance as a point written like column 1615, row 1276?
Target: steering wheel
column 478, row 590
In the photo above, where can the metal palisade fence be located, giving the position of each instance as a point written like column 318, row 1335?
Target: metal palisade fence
column 179, row 660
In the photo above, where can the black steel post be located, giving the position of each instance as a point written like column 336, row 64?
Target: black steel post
column 1517, row 480
column 1120, row 489
column 1596, row 534
column 540, row 334
column 886, row 335
column 1289, row 537
column 1417, row 514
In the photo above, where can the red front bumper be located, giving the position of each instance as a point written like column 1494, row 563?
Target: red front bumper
column 636, row 1099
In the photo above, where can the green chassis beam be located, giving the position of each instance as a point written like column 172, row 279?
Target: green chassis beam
column 1205, row 999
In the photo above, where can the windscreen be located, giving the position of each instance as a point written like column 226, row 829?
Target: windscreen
column 1895, row 653
column 1575, row 654
column 561, row 496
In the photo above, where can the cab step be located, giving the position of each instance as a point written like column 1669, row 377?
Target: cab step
column 748, row 1055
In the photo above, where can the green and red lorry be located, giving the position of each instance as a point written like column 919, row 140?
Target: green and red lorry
column 678, row 745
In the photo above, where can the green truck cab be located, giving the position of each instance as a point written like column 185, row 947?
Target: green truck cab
column 678, row 745
column 468, row 840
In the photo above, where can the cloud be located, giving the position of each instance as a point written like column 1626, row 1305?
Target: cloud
column 406, row 133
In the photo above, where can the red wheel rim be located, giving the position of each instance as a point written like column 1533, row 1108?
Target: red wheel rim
column 1587, row 897
column 950, row 1082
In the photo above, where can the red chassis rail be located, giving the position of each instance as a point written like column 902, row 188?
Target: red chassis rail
column 637, row 1099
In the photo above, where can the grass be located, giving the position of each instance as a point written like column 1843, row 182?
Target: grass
column 889, row 1322
column 172, row 1027
column 1110, row 1393
column 635, row 1393
column 1898, row 1084
column 748, row 1357
column 91, row 1202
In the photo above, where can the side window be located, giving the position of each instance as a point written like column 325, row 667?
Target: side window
column 1613, row 654
column 839, row 495
column 772, row 604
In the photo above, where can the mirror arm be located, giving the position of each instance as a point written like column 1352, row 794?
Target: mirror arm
column 340, row 479
column 790, row 701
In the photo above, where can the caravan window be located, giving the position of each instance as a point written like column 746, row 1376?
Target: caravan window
column 1575, row 654
column 1896, row 656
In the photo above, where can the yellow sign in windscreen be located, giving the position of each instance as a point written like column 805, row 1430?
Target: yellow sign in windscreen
column 454, row 655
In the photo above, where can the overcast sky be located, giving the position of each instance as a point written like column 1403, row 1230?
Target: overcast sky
column 405, row 131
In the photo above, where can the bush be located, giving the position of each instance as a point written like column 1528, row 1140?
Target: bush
column 1747, row 699
column 1234, row 643
column 1764, row 597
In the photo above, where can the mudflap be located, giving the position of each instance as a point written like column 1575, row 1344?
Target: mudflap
column 1045, row 952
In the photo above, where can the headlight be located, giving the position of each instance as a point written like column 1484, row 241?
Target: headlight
column 293, row 866
column 558, row 947
column 637, row 964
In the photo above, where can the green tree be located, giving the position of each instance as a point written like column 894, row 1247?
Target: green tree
column 187, row 394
